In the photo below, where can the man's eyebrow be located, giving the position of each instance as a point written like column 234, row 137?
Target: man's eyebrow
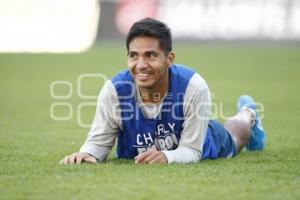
column 146, row 52
column 132, row 52
column 151, row 52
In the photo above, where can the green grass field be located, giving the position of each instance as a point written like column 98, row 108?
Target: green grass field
column 31, row 143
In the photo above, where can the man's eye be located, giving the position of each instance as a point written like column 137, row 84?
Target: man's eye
column 132, row 55
column 152, row 55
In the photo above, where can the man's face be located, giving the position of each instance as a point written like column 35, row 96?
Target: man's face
column 148, row 63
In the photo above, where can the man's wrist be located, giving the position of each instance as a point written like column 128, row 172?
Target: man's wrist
column 168, row 155
column 165, row 157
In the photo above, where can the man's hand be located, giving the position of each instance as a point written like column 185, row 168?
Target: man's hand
column 151, row 156
column 77, row 158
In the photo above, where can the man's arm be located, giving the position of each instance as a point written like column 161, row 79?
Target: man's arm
column 104, row 129
column 197, row 110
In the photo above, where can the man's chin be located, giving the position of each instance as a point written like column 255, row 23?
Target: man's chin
column 143, row 84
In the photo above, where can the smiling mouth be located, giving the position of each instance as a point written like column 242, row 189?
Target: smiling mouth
column 142, row 76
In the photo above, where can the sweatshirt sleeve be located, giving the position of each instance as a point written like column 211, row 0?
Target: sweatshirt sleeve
column 104, row 129
column 197, row 110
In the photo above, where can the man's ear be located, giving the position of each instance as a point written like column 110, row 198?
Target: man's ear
column 170, row 58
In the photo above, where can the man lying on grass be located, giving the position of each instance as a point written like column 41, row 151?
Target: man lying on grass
column 159, row 111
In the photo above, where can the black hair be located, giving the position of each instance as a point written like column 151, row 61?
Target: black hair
column 151, row 28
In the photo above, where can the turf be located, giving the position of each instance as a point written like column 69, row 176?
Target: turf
column 31, row 143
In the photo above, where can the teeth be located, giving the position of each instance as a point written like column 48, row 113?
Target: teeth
column 140, row 74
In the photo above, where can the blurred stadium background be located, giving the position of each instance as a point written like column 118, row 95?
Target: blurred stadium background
column 74, row 25
column 53, row 54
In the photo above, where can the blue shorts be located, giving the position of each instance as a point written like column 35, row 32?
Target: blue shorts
column 218, row 142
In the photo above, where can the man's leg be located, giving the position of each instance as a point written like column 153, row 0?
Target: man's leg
column 246, row 127
column 243, row 129
column 239, row 127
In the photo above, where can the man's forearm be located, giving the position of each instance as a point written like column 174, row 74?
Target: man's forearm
column 183, row 155
column 97, row 151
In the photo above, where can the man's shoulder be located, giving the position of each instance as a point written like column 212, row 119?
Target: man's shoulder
column 108, row 90
column 182, row 70
column 197, row 83
column 123, row 75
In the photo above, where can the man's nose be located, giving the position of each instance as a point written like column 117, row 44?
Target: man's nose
column 141, row 63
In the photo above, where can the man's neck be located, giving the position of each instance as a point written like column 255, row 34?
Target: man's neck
column 154, row 95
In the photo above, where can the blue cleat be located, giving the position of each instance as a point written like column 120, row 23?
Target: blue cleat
column 257, row 138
